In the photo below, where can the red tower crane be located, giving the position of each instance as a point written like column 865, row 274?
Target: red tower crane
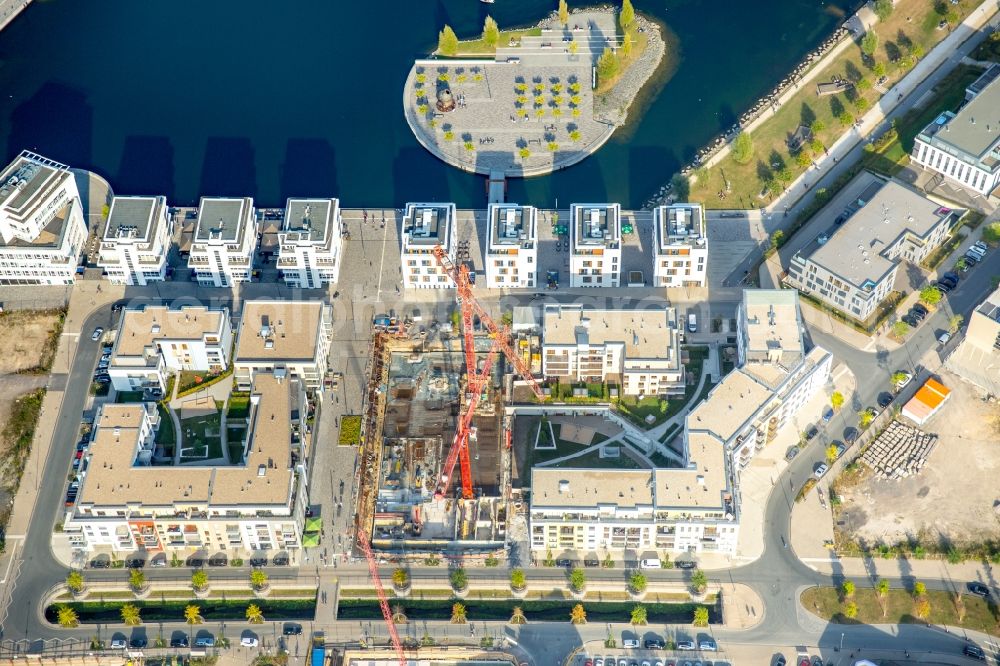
column 477, row 381
column 366, row 547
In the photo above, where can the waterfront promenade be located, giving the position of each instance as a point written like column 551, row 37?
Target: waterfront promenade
column 9, row 9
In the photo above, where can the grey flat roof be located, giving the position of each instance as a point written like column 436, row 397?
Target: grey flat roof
column 595, row 225
column 132, row 217
column 680, row 223
column 24, row 177
column 508, row 222
column 426, row 224
column 854, row 251
column 975, row 129
column 222, row 218
column 310, row 218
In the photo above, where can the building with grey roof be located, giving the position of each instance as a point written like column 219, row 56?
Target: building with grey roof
column 310, row 242
column 42, row 226
column 512, row 251
column 136, row 240
column 964, row 147
column 224, row 241
column 977, row 358
column 427, row 226
column 595, row 245
column 855, row 268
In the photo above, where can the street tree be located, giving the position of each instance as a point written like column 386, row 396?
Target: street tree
column 897, row 378
column 777, row 238
column 74, row 582
column 517, row 616
column 447, row 41
column 518, row 581
column 991, row 234
column 552, row 145
column 130, row 615
column 607, row 65
column 699, row 581
column 955, row 322
column 878, row 69
column 459, row 579
column 67, row 617
column 930, row 296
column 638, row 616
column 883, row 9
column 816, row 146
column 627, row 15
column 136, row 579
column 398, row 614
column 817, row 126
column 863, row 84
column 578, row 615
column 960, row 609
column 491, row 32
column 524, row 153
column 192, row 614
column 700, row 616
column 837, row 400
column 575, row 135
column 400, row 578
column 254, row 614
column 851, row 610
column 563, row 12
column 743, row 148
column 919, row 589
column 861, row 104
column 847, row 589
column 922, row 608
column 577, row 579
column 845, row 118
column 199, row 580
column 803, row 159
column 458, row 613
column 831, row 454
column 869, row 43
column 637, row 582
column 865, row 418
column 627, row 42
column 574, row 48
column 882, row 589
column 900, row 329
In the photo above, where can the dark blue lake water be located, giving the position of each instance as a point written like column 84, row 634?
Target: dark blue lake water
column 303, row 97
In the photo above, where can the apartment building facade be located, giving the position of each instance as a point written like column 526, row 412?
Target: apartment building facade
column 154, row 342
column 595, row 245
column 425, row 227
column 977, row 358
column 225, row 239
column 964, row 147
column 637, row 349
column 136, row 240
column 130, row 497
column 855, row 269
column 512, row 251
column 680, row 246
column 310, row 242
column 291, row 338
column 42, row 225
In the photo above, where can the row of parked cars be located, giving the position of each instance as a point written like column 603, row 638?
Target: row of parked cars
column 705, row 644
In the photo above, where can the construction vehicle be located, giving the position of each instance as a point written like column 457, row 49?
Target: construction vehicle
column 470, row 309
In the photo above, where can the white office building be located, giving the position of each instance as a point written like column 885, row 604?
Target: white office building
column 964, row 147
column 290, row 338
column 224, row 242
column 154, row 342
column 309, row 243
column 136, row 240
column 42, row 225
column 680, row 246
column 512, row 252
column 595, row 245
column 637, row 349
column 425, row 227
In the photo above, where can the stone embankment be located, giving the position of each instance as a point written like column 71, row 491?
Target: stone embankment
column 613, row 106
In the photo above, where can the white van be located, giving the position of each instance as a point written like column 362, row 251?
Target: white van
column 693, row 322
column 631, row 643
column 649, row 564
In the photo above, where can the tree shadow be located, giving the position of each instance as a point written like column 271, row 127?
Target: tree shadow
column 904, row 40
column 763, row 171
column 852, row 73
column 806, row 115
column 892, row 51
column 776, row 161
column 836, row 106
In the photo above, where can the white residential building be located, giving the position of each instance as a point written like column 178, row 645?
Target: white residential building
column 309, row 243
column 512, row 252
column 136, row 240
column 154, row 342
column 225, row 238
column 595, row 245
column 638, row 349
column 42, row 225
column 855, row 268
column 775, row 379
column 285, row 338
column 132, row 497
column 977, row 358
column 425, row 227
column 640, row 510
column 680, row 246
column 964, row 147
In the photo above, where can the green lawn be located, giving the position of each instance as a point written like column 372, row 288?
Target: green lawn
column 165, row 435
column 239, row 405
column 350, row 431
column 200, row 436
column 128, row 396
column 772, row 160
column 476, row 47
column 825, row 602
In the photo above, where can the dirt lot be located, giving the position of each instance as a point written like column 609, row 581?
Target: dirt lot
column 27, row 339
column 953, row 498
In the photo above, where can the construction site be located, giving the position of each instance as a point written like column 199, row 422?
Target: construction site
column 435, row 474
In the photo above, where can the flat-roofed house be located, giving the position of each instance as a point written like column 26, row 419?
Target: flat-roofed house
column 595, row 245
column 425, row 227
column 136, row 240
column 285, row 337
column 225, row 238
column 310, row 243
column 512, row 252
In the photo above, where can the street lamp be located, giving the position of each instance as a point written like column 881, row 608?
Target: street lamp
column 841, row 641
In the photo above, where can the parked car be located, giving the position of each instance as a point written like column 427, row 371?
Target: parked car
column 118, row 642
column 591, row 562
column 685, row 645
column 248, row 641
column 630, row 643
column 821, row 469
column 884, row 400
column 942, row 287
column 948, row 282
column 979, row 589
column 981, row 245
column 919, row 307
column 654, row 644
column 840, row 448
column 951, row 275
column 944, row 338
column 811, row 432
column 910, row 320
column 685, row 564
column 917, row 314
column 708, row 645
column 98, row 332
column 100, row 564
column 179, row 641
column 564, row 562
column 137, row 642
column 974, row 651
column 792, row 452
column 827, row 414
column 291, row 629
column 907, row 378
column 205, row 640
